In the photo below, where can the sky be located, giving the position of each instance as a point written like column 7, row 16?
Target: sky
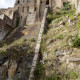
column 6, row 3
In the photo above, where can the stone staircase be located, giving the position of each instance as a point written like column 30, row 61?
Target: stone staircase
column 31, row 18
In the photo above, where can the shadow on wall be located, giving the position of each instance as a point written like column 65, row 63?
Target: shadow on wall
column 15, row 19
column 15, row 36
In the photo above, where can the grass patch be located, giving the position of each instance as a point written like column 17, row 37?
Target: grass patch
column 20, row 48
column 39, row 71
column 60, row 37
column 72, row 75
column 76, row 41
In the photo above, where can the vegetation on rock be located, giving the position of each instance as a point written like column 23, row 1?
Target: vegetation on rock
column 62, row 37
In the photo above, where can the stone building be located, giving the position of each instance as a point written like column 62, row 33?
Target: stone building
column 31, row 10
column 6, row 16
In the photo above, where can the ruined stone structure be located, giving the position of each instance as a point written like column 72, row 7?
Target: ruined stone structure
column 26, row 12
column 32, row 10
column 6, row 16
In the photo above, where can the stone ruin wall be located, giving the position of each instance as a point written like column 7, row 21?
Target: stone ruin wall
column 6, row 16
column 23, row 9
column 8, row 12
column 4, row 29
column 77, row 6
column 32, row 6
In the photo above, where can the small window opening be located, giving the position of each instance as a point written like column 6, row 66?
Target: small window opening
column 23, row 9
column 28, row 9
column 27, row 0
column 35, row 8
column 47, row 2
column 23, row 0
column 18, row 2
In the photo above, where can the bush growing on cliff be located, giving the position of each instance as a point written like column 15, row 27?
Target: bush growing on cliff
column 72, row 75
column 39, row 71
column 66, row 6
column 76, row 41
column 50, row 17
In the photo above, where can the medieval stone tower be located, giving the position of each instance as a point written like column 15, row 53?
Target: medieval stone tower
column 30, row 11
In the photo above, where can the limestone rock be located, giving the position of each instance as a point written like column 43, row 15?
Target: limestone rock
column 12, row 69
column 3, row 71
column 1, row 60
column 60, row 54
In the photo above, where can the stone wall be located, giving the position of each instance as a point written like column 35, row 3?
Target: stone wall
column 77, row 6
column 24, row 8
column 15, row 19
column 6, row 16
column 34, row 7
column 57, row 4
column 4, row 29
column 37, row 48
column 8, row 12
column 6, row 19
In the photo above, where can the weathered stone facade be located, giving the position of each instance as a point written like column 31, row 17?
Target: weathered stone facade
column 32, row 10
column 6, row 22
column 4, row 29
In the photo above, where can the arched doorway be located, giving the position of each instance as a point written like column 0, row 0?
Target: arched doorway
column 47, row 2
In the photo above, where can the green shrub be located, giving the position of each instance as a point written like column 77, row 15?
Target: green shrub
column 78, row 26
column 72, row 75
column 39, row 71
column 53, row 78
column 33, row 40
column 78, row 14
column 60, row 37
column 50, row 17
column 76, row 41
column 66, row 6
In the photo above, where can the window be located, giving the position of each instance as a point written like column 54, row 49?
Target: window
column 18, row 2
column 47, row 2
column 23, row 9
column 23, row 0
column 21, row 17
column 27, row 0
column 28, row 9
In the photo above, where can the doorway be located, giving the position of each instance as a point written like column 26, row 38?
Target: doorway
column 47, row 2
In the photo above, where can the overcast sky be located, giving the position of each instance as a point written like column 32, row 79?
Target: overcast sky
column 6, row 3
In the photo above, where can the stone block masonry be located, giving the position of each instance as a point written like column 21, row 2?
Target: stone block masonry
column 6, row 19
column 37, row 48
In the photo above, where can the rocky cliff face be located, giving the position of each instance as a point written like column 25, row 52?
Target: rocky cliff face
column 8, row 12
column 15, row 62
column 60, row 57
column 4, row 29
column 6, row 16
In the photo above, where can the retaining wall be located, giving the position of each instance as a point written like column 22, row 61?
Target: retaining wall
column 37, row 48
